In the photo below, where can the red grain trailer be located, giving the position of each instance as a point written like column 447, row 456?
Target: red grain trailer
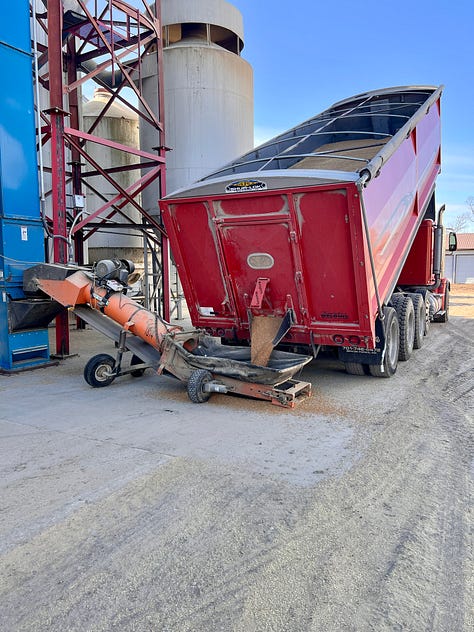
column 329, row 229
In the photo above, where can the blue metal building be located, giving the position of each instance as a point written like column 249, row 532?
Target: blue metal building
column 22, row 342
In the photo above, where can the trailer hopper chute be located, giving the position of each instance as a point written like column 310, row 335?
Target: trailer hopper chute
column 327, row 235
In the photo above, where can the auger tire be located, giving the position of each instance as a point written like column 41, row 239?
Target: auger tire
column 195, row 386
column 137, row 372
column 97, row 370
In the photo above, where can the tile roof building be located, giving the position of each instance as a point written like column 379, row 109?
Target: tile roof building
column 459, row 265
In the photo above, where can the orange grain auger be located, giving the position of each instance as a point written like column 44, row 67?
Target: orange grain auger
column 98, row 296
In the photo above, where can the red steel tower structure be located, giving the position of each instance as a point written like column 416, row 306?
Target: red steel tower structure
column 97, row 40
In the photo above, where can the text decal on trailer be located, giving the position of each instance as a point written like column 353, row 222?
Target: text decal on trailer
column 240, row 186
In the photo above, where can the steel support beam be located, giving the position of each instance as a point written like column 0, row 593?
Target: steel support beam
column 58, row 160
column 120, row 44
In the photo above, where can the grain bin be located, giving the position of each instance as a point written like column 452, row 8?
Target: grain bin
column 120, row 124
column 208, row 91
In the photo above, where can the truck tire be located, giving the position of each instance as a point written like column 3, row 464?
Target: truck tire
column 406, row 320
column 195, row 386
column 97, row 370
column 392, row 345
column 396, row 298
column 425, row 294
column 444, row 317
column 420, row 319
column 137, row 372
column 355, row 368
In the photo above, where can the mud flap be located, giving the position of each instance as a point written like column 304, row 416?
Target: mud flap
column 366, row 356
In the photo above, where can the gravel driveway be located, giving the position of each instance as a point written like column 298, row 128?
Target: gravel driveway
column 129, row 508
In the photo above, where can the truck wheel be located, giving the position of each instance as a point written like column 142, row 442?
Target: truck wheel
column 420, row 319
column 444, row 317
column 97, row 371
column 355, row 368
column 195, row 386
column 425, row 295
column 406, row 321
column 392, row 345
column 137, row 372
column 396, row 298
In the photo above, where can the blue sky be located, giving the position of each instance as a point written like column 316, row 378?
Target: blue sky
column 308, row 54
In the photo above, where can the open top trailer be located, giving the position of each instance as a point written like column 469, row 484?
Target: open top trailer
column 326, row 234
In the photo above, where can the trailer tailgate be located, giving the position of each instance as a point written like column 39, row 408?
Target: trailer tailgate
column 266, row 253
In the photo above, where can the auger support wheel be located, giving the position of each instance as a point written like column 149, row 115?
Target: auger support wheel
column 133, row 362
column 195, row 387
column 98, row 371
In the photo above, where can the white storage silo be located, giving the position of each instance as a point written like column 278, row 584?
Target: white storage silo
column 208, row 91
column 120, row 124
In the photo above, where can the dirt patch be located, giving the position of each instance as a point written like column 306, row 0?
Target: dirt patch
column 130, row 508
column 462, row 300
column 320, row 404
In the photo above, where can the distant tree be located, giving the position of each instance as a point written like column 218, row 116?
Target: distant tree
column 461, row 222
column 470, row 204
